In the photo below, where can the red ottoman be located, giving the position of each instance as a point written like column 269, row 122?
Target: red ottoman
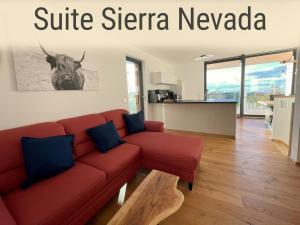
column 175, row 154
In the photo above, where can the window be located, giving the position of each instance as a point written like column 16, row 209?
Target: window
column 266, row 76
column 223, row 81
column 250, row 79
column 134, row 85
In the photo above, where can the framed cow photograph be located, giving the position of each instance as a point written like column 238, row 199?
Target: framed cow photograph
column 38, row 69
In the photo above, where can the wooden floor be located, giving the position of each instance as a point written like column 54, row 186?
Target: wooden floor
column 246, row 181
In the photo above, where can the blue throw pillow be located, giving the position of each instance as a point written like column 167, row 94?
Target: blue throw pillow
column 134, row 122
column 105, row 136
column 46, row 157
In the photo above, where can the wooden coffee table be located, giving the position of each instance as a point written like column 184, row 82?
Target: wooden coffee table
column 156, row 198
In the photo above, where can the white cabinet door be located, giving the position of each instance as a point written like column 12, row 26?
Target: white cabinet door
column 173, row 80
column 163, row 78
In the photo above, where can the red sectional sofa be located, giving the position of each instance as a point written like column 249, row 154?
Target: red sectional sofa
column 74, row 196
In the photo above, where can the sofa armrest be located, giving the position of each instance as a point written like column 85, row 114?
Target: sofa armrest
column 154, row 126
column 5, row 216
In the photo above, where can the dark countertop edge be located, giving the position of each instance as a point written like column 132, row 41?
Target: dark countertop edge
column 196, row 102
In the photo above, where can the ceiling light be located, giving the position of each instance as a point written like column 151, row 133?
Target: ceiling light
column 203, row 57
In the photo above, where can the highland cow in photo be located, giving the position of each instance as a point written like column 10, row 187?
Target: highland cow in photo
column 67, row 74
column 38, row 69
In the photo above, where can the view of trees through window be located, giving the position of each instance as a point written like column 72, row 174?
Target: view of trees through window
column 224, row 82
column 263, row 78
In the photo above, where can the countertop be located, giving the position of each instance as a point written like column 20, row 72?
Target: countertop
column 197, row 102
column 283, row 96
column 266, row 103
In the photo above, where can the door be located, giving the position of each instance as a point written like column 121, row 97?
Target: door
column 134, row 85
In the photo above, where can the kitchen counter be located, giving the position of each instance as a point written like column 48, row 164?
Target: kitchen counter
column 210, row 117
column 266, row 103
column 196, row 102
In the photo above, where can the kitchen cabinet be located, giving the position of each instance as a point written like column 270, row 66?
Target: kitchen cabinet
column 163, row 78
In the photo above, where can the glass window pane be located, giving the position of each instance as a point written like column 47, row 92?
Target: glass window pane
column 133, row 87
column 266, row 76
column 223, row 81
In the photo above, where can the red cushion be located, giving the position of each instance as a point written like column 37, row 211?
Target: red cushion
column 5, row 216
column 115, row 161
column 185, row 175
column 88, row 210
column 12, row 172
column 117, row 117
column 78, row 126
column 173, row 150
column 53, row 200
column 154, row 126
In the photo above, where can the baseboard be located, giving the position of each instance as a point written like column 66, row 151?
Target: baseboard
column 295, row 162
column 200, row 133
column 281, row 142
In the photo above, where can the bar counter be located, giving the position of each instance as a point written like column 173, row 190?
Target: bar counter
column 201, row 116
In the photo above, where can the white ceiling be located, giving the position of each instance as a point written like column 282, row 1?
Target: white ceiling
column 176, row 47
column 178, row 55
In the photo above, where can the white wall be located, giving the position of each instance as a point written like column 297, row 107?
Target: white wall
column 282, row 118
column 295, row 151
column 22, row 108
column 192, row 75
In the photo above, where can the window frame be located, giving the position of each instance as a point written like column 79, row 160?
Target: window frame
column 242, row 59
column 141, row 82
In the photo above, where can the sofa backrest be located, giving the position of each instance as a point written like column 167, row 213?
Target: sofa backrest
column 12, row 171
column 77, row 126
column 117, row 117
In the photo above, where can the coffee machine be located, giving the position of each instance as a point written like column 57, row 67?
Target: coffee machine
column 160, row 96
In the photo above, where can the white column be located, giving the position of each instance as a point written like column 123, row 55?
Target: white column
column 295, row 150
